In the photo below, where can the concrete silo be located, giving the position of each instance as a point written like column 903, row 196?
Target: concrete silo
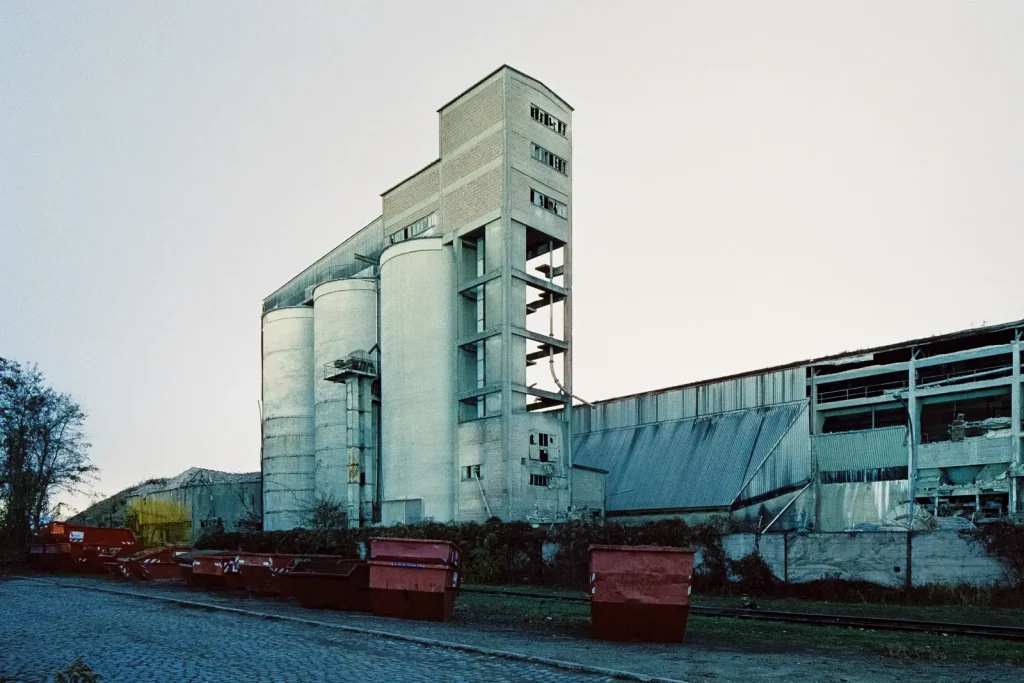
column 344, row 334
column 288, row 433
column 419, row 471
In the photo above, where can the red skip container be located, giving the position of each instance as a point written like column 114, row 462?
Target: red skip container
column 216, row 570
column 82, row 549
column 328, row 582
column 640, row 592
column 154, row 564
column 414, row 578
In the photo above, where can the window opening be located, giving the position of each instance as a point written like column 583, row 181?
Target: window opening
column 538, row 480
column 546, row 119
column 554, row 161
column 548, row 204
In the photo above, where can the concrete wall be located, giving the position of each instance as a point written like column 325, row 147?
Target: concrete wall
column 939, row 557
column 843, row 506
column 181, row 515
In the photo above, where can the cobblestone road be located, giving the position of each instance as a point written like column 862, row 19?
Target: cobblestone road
column 43, row 627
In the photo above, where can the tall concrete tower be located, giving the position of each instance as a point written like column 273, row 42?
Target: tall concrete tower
column 499, row 199
column 422, row 368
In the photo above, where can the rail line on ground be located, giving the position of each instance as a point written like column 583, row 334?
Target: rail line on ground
column 838, row 620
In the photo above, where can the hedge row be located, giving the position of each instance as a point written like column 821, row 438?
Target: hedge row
column 504, row 552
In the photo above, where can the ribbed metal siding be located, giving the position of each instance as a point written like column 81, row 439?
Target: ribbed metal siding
column 789, row 463
column 690, row 463
column 861, row 450
column 339, row 263
column 772, row 388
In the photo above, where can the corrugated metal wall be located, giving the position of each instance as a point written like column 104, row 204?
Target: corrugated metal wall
column 789, row 463
column 867, row 449
column 753, row 391
column 339, row 263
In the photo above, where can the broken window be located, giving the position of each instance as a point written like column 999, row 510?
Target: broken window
column 415, row 229
column 546, row 119
column 538, row 480
column 471, row 472
column 548, row 204
column 554, row 161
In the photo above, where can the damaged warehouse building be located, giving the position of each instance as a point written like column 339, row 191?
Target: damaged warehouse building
column 825, row 444
column 422, row 370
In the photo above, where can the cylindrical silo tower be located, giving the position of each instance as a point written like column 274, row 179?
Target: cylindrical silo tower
column 419, row 466
column 288, row 443
column 344, row 333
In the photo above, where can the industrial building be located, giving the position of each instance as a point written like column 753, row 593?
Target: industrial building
column 422, row 369
column 181, row 509
column 410, row 373
column 827, row 444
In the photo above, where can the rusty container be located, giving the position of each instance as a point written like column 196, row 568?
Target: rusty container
column 260, row 573
column 154, row 564
column 216, row 570
column 328, row 582
column 640, row 592
column 83, row 549
column 414, row 578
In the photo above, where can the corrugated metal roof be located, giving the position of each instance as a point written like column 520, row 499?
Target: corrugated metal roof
column 869, row 449
column 692, row 463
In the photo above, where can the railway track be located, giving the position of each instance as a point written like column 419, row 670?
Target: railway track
column 844, row 621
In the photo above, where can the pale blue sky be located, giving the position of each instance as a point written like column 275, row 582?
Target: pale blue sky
column 754, row 183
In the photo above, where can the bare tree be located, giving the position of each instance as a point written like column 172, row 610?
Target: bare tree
column 43, row 450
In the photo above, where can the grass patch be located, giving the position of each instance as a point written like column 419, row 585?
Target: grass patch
column 719, row 633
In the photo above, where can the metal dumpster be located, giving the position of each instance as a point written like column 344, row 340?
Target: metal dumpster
column 82, row 549
column 262, row 572
column 216, row 570
column 640, row 592
column 328, row 582
column 414, row 578
column 154, row 564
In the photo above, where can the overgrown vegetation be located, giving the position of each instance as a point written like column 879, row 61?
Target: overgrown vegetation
column 327, row 514
column 506, row 553
column 77, row 672
column 1003, row 539
column 43, row 451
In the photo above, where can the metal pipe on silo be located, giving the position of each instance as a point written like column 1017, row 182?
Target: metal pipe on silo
column 345, row 330
column 288, row 459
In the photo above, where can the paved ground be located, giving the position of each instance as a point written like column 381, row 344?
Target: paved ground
column 43, row 627
column 133, row 639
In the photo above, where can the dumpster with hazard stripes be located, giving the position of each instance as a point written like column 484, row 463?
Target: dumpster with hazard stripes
column 84, row 549
column 153, row 564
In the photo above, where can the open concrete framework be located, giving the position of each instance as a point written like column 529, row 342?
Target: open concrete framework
column 448, row 403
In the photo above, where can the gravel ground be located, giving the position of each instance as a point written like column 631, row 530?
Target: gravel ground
column 243, row 647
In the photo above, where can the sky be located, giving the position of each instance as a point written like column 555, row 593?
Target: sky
column 754, row 183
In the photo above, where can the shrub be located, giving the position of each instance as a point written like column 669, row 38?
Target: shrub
column 499, row 552
column 1003, row 539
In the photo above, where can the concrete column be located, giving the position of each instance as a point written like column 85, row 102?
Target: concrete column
column 1015, row 417
column 914, row 411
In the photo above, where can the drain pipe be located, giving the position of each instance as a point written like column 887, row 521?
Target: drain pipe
column 786, row 507
column 476, row 475
column 567, row 410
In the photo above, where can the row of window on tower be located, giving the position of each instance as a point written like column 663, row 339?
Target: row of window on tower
column 553, row 160
column 415, row 229
column 546, row 119
column 548, row 203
